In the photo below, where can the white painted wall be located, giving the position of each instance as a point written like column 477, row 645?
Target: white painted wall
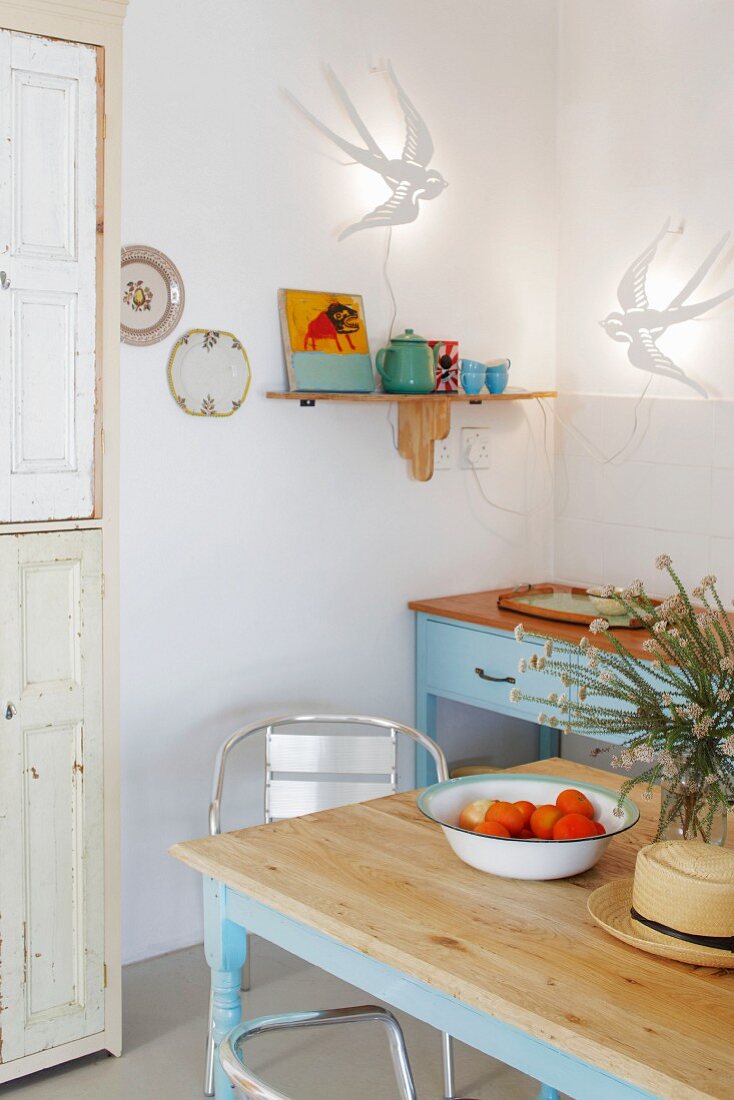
column 645, row 130
column 268, row 558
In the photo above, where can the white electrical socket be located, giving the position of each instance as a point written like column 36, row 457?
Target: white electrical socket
column 475, row 449
column 443, row 454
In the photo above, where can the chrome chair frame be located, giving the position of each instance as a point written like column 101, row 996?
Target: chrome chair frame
column 215, row 823
column 253, row 1087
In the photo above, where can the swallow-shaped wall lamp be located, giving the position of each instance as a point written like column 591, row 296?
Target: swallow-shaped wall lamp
column 408, row 176
column 639, row 325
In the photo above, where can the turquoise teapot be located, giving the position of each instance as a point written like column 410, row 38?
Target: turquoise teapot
column 408, row 364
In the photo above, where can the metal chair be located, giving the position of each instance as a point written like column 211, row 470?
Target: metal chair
column 310, row 755
column 251, row 1087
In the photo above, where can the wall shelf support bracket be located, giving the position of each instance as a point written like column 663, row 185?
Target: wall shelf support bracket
column 420, row 424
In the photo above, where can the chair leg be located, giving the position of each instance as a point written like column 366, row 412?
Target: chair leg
column 209, row 1061
column 242, row 1077
column 246, row 982
column 448, row 1066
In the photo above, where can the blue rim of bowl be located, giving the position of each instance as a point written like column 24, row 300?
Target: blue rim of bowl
column 466, row 780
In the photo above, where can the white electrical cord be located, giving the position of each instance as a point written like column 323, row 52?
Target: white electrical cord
column 591, row 449
column 599, row 457
column 388, row 243
column 390, row 408
column 549, row 467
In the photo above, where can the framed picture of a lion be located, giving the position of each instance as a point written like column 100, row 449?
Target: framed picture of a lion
column 325, row 342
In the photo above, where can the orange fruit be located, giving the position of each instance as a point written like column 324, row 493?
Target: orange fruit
column 492, row 828
column 525, row 834
column 508, row 815
column 599, row 827
column 574, row 802
column 543, row 820
column 527, row 809
column 574, row 826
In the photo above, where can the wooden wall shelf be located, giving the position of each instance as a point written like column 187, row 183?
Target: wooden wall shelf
column 422, row 418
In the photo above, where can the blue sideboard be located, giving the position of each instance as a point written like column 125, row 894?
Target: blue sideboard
column 466, row 651
column 476, row 665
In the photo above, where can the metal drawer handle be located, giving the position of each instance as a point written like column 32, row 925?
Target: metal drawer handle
column 10, row 711
column 495, row 679
column 4, row 280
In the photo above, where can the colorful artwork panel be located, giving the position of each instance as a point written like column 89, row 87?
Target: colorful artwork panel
column 325, row 341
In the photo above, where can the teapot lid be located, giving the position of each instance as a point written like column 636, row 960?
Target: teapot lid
column 409, row 337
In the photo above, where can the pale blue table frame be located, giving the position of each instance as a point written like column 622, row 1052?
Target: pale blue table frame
column 227, row 913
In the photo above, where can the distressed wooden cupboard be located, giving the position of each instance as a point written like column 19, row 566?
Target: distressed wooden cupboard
column 60, row 84
column 51, row 828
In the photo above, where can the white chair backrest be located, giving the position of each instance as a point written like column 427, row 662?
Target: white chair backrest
column 291, row 789
column 306, row 772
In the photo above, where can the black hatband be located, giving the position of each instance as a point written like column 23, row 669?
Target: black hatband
column 723, row 943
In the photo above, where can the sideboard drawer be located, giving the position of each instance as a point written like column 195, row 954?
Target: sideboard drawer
column 454, row 653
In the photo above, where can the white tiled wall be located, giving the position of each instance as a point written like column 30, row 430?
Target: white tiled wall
column 671, row 490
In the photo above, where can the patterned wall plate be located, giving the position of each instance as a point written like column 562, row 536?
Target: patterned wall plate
column 209, row 373
column 151, row 295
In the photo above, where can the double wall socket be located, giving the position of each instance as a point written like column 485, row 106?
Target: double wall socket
column 475, row 449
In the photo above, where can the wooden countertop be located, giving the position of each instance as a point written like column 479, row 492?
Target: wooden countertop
column 380, row 878
column 481, row 608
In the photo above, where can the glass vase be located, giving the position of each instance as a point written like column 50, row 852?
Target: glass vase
column 687, row 813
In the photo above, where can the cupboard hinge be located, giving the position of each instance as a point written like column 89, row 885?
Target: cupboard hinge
column 104, row 975
column 104, row 127
column 102, row 585
column 25, row 953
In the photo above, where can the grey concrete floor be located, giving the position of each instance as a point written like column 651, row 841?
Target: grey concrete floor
column 164, row 1013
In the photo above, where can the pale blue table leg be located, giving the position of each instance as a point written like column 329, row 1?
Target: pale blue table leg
column 225, row 949
column 547, row 1093
column 549, row 744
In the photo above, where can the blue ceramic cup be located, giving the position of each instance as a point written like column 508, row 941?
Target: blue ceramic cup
column 497, row 374
column 473, row 375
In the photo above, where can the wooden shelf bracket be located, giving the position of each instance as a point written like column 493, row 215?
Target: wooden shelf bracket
column 420, row 424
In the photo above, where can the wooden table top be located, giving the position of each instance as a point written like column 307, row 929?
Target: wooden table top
column 481, row 608
column 380, row 878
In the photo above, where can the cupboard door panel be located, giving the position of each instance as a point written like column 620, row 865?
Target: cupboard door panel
column 50, row 626
column 54, row 871
column 51, row 839
column 48, row 241
column 44, row 429
column 45, row 132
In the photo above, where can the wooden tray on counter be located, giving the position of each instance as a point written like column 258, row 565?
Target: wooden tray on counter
column 561, row 605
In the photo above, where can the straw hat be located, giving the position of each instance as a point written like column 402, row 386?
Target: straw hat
column 680, row 904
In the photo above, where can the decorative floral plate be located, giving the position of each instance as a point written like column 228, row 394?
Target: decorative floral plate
column 151, row 295
column 209, row 373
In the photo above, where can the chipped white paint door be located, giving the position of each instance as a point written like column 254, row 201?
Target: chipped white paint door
column 51, row 831
column 48, row 222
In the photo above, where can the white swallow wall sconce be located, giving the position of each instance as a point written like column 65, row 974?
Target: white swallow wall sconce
column 408, row 176
column 639, row 325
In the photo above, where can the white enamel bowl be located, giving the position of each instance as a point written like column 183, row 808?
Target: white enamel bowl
column 530, row 859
